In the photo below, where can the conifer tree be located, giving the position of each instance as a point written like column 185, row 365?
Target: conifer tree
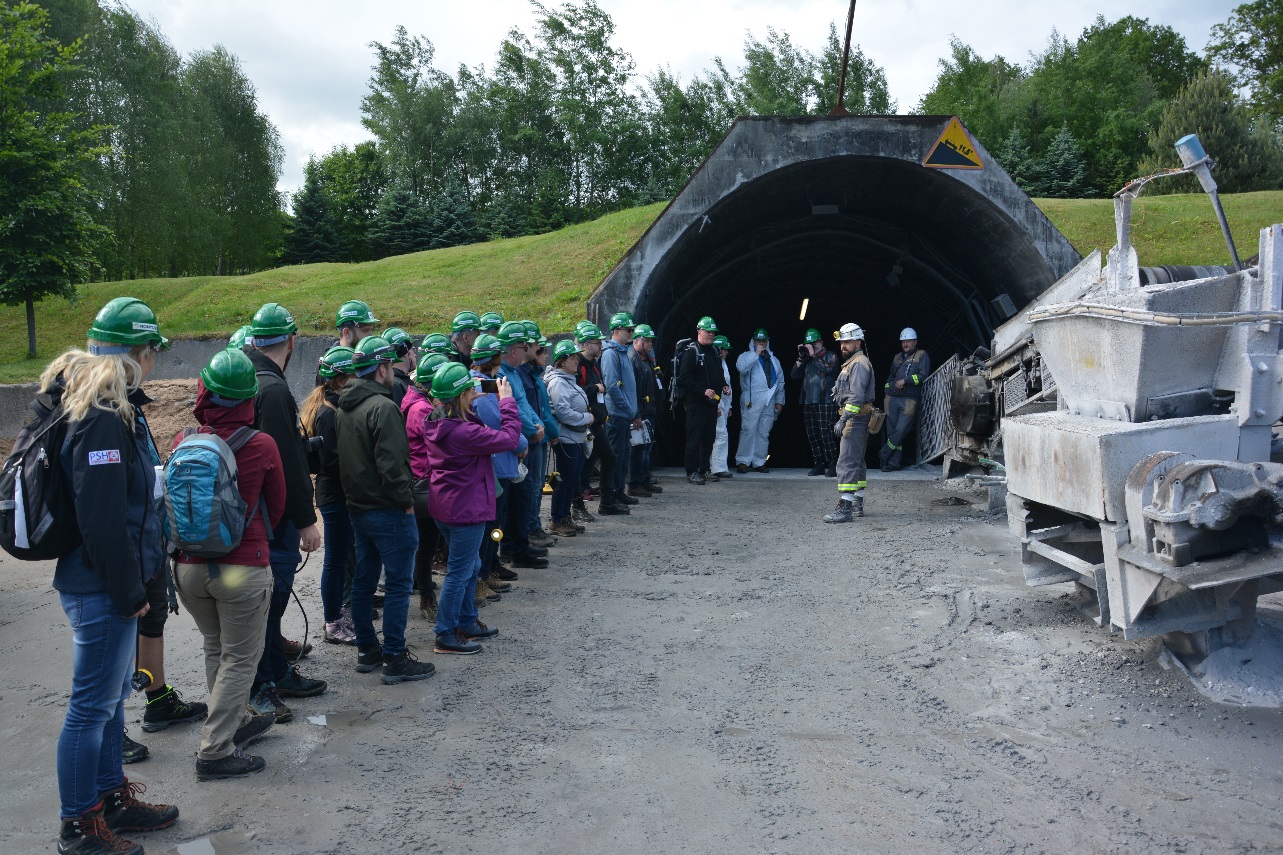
column 1017, row 158
column 452, row 221
column 403, row 223
column 313, row 237
column 1063, row 171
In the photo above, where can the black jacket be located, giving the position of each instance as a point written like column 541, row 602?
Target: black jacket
column 646, row 372
column 374, row 453
column 329, row 488
column 400, row 384
column 276, row 414
column 112, row 475
column 700, row 369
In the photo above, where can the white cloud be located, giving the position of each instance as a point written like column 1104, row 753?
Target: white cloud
column 310, row 59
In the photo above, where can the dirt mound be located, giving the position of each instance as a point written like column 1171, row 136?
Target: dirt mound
column 172, row 410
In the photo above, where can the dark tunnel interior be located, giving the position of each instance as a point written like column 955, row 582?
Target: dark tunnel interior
column 881, row 242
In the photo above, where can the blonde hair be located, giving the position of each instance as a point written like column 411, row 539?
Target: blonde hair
column 96, row 382
column 316, row 400
column 456, row 408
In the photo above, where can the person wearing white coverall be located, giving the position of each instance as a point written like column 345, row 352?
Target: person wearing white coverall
column 761, row 399
column 718, row 460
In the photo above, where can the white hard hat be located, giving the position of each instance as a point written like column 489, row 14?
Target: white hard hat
column 849, row 332
column 908, row 333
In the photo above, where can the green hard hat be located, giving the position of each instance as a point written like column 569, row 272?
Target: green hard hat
column 513, row 332
column 643, row 331
column 424, row 372
column 230, row 374
column 812, row 336
column 491, row 320
column 272, row 324
column 465, row 321
column 436, row 343
column 399, row 339
column 485, row 348
column 532, row 331
column 761, row 335
column 239, row 339
column 588, row 332
column 621, row 320
column 129, row 322
column 370, row 351
column 450, row 381
column 723, row 342
column 706, row 324
column 581, row 325
column 336, row 361
column 564, row 348
column 354, row 312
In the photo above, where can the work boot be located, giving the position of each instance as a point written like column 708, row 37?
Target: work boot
column 623, row 498
column 612, row 510
column 252, row 729
column 405, row 668
column 496, row 585
column 234, row 765
column 539, row 551
column 478, row 630
column 456, row 643
column 564, row 528
column 640, row 491
column 295, row 685
column 130, row 751
column 368, row 658
column 294, row 650
column 841, row 514
column 428, row 606
column 654, row 488
column 579, row 511
column 169, row 708
column 268, row 702
column 818, row 469
column 123, row 812
column 695, row 478
column 542, row 539
column 832, row 471
column 858, row 510
column 741, row 468
column 89, row 834
column 484, row 590
column 503, row 573
column 763, row 469
column 529, row 559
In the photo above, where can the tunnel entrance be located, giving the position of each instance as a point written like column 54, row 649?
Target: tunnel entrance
column 838, row 212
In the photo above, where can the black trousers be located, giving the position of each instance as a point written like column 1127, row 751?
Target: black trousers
column 701, row 431
column 273, row 665
column 490, row 546
column 429, row 542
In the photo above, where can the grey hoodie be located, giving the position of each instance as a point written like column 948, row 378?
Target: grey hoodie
column 569, row 404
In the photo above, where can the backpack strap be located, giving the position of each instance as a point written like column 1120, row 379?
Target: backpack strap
column 240, row 438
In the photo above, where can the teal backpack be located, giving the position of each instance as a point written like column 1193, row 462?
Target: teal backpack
column 205, row 516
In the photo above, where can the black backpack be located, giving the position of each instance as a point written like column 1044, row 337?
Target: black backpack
column 37, row 510
column 676, row 394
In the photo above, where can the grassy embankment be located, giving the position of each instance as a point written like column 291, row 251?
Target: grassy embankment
column 546, row 277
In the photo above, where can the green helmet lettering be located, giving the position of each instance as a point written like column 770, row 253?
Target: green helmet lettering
column 337, row 360
column 436, row 343
column 239, row 339
column 428, row 368
column 399, row 339
column 513, row 332
column 812, row 336
column 451, row 380
column 230, row 374
column 491, row 321
column 723, row 342
column 127, row 321
column 370, row 352
column 588, row 332
column 564, row 348
column 465, row 321
column 485, row 348
column 643, row 331
column 706, row 324
column 354, row 312
column 621, row 320
column 761, row 335
column 272, row 324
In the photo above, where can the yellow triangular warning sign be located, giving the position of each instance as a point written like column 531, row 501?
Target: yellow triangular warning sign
column 953, row 150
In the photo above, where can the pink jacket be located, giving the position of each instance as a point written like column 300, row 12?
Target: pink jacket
column 416, row 408
column 462, row 485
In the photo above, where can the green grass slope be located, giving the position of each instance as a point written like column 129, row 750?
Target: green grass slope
column 546, row 277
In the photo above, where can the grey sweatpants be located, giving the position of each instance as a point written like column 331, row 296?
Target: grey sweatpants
column 852, row 474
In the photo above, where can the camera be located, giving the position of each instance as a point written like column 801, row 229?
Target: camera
column 802, row 351
column 490, row 386
column 315, row 443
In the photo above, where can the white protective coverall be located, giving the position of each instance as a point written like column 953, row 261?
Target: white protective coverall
column 717, row 461
column 758, row 397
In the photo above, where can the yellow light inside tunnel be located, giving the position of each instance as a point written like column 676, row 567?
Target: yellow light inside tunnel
column 806, row 301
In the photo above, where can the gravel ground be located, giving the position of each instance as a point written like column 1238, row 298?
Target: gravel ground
column 717, row 673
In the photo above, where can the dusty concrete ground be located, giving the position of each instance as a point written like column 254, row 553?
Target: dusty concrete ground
column 719, row 672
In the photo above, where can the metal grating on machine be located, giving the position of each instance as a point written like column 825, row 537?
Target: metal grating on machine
column 935, row 428
column 1015, row 391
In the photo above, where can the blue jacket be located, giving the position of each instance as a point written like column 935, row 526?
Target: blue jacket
column 619, row 380
column 530, row 420
column 112, row 476
column 535, row 373
column 487, row 407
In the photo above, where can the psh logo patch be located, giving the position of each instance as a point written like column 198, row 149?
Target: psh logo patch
column 99, row 458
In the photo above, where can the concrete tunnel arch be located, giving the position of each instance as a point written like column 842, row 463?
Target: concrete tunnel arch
column 841, row 211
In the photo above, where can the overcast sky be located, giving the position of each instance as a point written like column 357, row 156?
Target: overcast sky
column 310, row 59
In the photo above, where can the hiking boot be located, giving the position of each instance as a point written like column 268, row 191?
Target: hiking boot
column 405, row 668
column 580, row 513
column 234, row 765
column 613, row 510
column 832, row 471
column 368, row 658
column 541, row 551
column 504, row 573
column 455, row 642
column 295, row 685
column 123, row 812
column 542, row 539
column 88, row 834
column 484, row 590
column 130, row 751
column 624, row 499
column 478, row 630
column 294, row 650
column 428, row 606
column 639, row 491
column 816, row 470
column 252, row 729
column 714, row 477
column 337, row 632
column 563, row 528
column 763, row 469
column 858, row 510
column 841, row 514
column 267, row 702
column 654, row 488
column 530, row 559
column 695, row 478
column 741, row 468
column 495, row 585
column 169, row 708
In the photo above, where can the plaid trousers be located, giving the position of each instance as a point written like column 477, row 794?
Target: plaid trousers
column 819, row 420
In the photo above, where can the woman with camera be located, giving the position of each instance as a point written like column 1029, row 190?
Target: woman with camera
column 462, row 495
column 416, row 406
column 570, row 408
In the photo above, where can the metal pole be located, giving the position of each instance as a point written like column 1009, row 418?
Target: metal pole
column 840, row 110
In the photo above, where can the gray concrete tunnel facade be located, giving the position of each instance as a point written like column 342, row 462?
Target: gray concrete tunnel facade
column 841, row 212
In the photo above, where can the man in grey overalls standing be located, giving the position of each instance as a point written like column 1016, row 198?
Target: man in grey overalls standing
column 853, row 393
column 909, row 370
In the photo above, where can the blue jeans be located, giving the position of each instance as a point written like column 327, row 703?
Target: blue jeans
column 338, row 543
column 570, row 459
column 387, row 540
column 455, row 603
column 619, row 432
column 639, row 466
column 89, row 747
column 537, row 463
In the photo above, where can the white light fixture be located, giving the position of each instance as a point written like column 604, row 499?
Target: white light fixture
column 806, row 301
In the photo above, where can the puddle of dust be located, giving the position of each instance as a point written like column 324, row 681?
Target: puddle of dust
column 343, row 719
column 221, row 843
